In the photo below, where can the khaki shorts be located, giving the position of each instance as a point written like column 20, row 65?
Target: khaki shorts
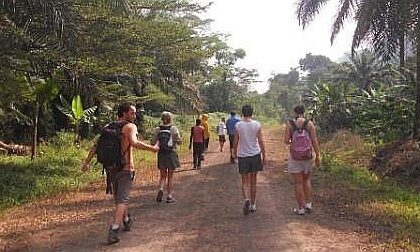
column 121, row 185
column 298, row 166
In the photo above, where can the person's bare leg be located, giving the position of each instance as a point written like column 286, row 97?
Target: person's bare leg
column 120, row 209
column 245, row 186
column 307, row 188
column 126, row 212
column 170, row 176
column 253, row 186
column 299, row 188
column 163, row 175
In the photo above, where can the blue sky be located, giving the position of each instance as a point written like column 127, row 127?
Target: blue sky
column 269, row 32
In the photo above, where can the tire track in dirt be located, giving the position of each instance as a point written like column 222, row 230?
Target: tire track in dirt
column 206, row 217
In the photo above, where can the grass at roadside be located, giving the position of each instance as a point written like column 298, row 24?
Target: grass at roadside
column 390, row 210
column 57, row 168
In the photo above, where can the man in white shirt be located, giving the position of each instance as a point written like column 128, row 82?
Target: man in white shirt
column 249, row 147
column 221, row 132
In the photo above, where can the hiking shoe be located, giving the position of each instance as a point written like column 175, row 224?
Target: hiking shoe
column 113, row 236
column 308, row 207
column 246, row 208
column 159, row 196
column 253, row 208
column 299, row 211
column 170, row 200
column 127, row 224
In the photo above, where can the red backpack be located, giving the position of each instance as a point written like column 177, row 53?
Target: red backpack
column 301, row 145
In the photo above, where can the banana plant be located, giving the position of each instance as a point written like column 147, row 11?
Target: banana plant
column 76, row 114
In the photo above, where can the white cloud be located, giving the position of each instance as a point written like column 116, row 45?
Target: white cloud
column 269, row 32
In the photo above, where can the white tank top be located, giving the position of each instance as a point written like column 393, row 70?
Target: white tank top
column 248, row 138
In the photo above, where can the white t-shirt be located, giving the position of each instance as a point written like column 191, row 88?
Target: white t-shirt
column 248, row 138
column 221, row 129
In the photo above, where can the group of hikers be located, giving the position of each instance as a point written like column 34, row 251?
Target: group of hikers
column 246, row 146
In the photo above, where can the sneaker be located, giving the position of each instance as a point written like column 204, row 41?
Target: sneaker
column 113, row 236
column 246, row 208
column 127, row 225
column 308, row 207
column 299, row 211
column 253, row 208
column 170, row 199
column 159, row 196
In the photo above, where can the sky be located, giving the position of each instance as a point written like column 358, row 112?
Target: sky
column 269, row 32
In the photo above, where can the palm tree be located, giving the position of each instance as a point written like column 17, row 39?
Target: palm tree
column 385, row 24
column 365, row 70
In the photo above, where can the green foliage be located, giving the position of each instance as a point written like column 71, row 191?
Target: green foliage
column 382, row 200
column 385, row 114
column 56, row 169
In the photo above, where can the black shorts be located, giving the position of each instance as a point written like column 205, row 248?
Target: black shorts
column 250, row 164
column 168, row 160
column 231, row 138
column 222, row 138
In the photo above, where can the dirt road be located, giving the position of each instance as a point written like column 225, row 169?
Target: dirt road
column 206, row 217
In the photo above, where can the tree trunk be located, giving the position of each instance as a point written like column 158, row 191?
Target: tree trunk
column 35, row 131
column 417, row 111
column 402, row 51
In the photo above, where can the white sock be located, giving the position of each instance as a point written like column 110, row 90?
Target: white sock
column 115, row 226
column 126, row 219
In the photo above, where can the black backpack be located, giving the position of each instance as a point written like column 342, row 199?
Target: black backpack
column 108, row 150
column 164, row 137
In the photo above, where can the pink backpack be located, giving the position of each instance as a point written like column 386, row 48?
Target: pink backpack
column 300, row 147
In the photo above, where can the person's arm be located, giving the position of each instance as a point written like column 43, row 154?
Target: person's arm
column 261, row 143
column 315, row 143
column 287, row 134
column 235, row 144
column 191, row 137
column 176, row 135
column 132, row 139
column 86, row 162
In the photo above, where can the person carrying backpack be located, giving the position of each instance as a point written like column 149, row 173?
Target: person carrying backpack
column 197, row 143
column 114, row 150
column 301, row 135
column 167, row 137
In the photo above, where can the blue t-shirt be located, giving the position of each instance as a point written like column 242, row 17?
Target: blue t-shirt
column 230, row 124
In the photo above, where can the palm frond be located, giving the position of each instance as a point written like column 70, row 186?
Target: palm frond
column 347, row 6
column 307, row 10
